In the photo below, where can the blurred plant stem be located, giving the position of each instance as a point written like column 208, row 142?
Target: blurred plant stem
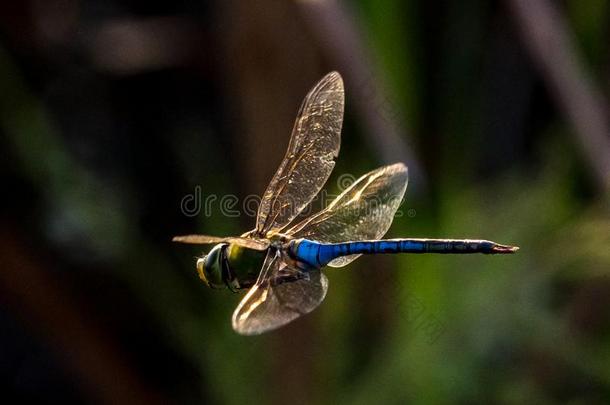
column 341, row 40
column 549, row 40
column 266, row 97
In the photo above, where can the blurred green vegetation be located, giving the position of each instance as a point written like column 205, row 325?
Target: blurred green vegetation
column 530, row 328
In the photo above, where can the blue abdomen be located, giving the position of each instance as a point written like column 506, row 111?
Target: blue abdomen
column 315, row 254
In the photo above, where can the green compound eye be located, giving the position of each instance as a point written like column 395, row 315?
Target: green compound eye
column 209, row 267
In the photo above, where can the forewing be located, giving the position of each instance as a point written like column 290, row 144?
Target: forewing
column 281, row 294
column 250, row 243
column 364, row 211
column 314, row 144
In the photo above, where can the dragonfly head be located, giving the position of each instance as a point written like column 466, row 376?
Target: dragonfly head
column 210, row 267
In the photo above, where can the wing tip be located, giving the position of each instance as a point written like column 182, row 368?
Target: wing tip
column 247, row 331
column 333, row 77
column 397, row 168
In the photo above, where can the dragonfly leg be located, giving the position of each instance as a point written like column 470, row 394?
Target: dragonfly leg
column 291, row 277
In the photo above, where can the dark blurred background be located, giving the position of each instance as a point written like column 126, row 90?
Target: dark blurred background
column 119, row 120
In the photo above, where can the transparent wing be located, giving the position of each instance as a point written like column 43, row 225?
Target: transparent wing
column 281, row 294
column 251, row 243
column 314, row 144
column 364, row 211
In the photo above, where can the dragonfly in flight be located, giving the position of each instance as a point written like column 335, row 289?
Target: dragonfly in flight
column 279, row 262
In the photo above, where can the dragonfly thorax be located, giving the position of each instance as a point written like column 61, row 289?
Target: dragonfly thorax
column 244, row 264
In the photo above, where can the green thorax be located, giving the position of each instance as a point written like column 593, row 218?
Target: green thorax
column 245, row 264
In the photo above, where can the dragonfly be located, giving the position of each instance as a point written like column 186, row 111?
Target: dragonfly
column 280, row 261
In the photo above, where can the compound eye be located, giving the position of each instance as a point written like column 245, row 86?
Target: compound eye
column 211, row 267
